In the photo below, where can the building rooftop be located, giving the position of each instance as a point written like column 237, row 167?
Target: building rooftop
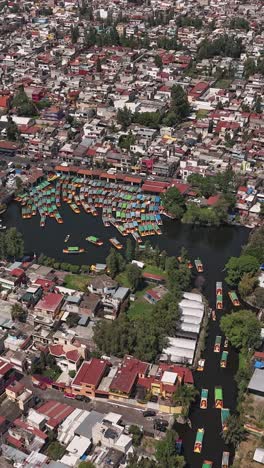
column 91, row 372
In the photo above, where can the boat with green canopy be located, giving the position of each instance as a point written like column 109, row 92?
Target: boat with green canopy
column 219, row 295
column 94, row 240
column 225, row 413
column 234, row 299
column 218, row 398
column 207, row 464
column 198, row 444
column 223, row 361
column 217, row 344
column 73, row 250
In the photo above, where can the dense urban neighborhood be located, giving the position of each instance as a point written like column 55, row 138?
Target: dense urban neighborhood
column 146, row 117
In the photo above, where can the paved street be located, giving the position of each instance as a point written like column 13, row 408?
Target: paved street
column 130, row 414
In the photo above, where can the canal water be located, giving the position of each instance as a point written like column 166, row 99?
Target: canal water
column 213, row 245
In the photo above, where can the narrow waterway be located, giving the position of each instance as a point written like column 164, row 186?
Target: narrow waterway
column 213, row 245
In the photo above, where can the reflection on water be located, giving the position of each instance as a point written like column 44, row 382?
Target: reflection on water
column 213, row 245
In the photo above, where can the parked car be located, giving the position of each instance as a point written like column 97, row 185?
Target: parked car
column 82, row 398
column 149, row 413
column 69, row 395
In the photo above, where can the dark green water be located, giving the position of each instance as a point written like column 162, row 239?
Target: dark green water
column 213, row 245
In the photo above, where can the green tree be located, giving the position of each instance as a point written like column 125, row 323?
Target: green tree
column 17, row 312
column 158, row 61
column 238, row 22
column 134, row 276
column 235, row 431
column 19, row 183
column 23, row 104
column 173, row 202
column 162, row 260
column 247, row 284
column 112, row 263
column 186, row 394
column 237, row 266
column 75, row 34
column 179, row 106
column 259, row 297
column 166, row 453
column 12, row 132
column 72, row 320
column 124, row 117
column 242, row 329
column 129, row 250
column 55, row 450
column 249, row 67
column 136, row 433
column 14, row 244
column 85, row 464
column 98, row 66
column 255, row 246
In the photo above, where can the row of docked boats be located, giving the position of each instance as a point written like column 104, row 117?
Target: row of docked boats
column 218, row 398
column 124, row 206
column 219, row 296
column 218, row 404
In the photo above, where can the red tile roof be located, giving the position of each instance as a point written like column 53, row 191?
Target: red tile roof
column 126, row 377
column 4, row 100
column 91, row 372
column 55, row 411
column 17, row 272
column 50, row 302
column 211, row 201
column 58, row 351
column 152, row 276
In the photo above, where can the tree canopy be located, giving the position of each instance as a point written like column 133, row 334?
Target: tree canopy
column 235, row 431
column 166, row 452
column 237, row 266
column 173, row 202
column 226, row 46
column 134, row 276
column 11, row 244
column 242, row 329
column 24, row 105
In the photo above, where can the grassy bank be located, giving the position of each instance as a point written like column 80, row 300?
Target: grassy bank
column 78, row 282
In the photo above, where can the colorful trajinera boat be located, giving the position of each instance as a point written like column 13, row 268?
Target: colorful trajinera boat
column 219, row 295
column 204, row 396
column 223, row 361
column 73, row 250
column 94, row 240
column 207, row 464
column 225, row 413
column 200, row 366
column 198, row 265
column 198, row 444
column 234, row 299
column 225, row 460
column 217, row 344
column 116, row 243
column 218, row 398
